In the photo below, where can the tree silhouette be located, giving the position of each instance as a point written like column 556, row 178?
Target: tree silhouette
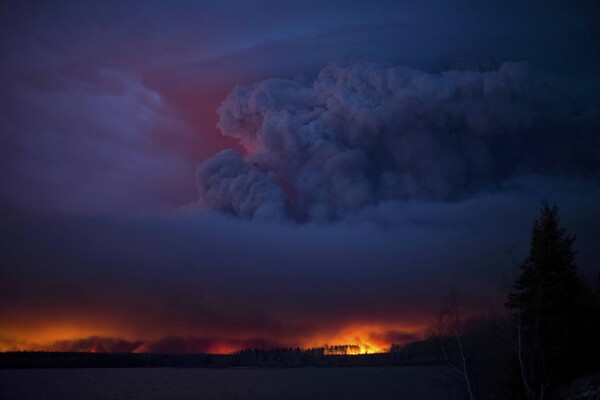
column 449, row 325
column 548, row 302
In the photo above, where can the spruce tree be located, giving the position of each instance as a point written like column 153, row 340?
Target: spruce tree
column 549, row 302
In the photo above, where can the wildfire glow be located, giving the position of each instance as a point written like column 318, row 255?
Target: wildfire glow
column 361, row 339
column 354, row 339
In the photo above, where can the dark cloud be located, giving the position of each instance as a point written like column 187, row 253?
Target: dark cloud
column 86, row 140
column 363, row 133
column 214, row 276
column 229, row 184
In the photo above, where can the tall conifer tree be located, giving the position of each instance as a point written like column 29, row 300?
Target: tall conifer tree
column 548, row 301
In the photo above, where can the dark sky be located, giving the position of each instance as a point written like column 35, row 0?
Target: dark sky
column 206, row 176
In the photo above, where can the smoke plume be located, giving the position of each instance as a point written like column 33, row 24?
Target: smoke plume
column 364, row 133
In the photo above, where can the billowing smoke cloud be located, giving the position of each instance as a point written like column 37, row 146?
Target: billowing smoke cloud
column 230, row 184
column 364, row 133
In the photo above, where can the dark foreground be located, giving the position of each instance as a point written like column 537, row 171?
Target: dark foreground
column 371, row 383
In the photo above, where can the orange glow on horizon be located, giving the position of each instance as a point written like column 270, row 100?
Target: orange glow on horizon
column 367, row 338
column 351, row 339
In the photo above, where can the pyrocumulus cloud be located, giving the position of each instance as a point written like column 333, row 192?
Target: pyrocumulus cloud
column 364, row 133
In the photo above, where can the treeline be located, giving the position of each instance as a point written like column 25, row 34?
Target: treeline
column 420, row 353
column 50, row 359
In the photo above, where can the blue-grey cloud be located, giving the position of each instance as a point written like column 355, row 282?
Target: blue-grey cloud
column 363, row 133
column 229, row 184
column 210, row 274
